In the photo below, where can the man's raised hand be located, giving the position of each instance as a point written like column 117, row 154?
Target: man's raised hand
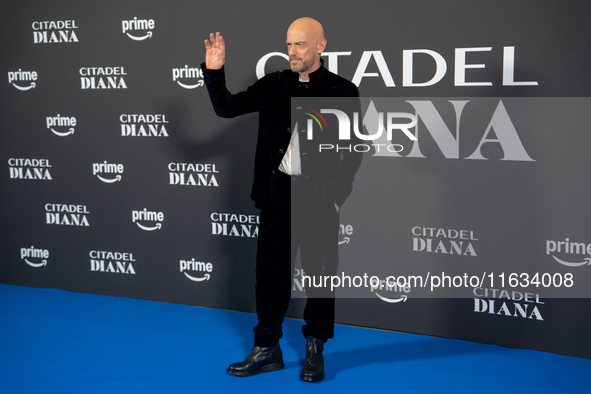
column 215, row 52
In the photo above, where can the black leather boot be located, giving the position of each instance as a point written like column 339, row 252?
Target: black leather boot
column 313, row 369
column 261, row 359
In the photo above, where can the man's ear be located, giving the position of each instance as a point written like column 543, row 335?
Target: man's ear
column 321, row 46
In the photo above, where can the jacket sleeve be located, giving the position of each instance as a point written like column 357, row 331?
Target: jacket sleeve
column 226, row 104
column 350, row 161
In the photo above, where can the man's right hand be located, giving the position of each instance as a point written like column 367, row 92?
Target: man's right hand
column 215, row 52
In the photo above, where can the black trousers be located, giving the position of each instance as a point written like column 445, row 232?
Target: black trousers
column 312, row 229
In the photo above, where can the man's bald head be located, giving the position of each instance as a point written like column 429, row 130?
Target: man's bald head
column 308, row 26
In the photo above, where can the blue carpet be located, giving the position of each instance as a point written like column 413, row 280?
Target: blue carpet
column 54, row 341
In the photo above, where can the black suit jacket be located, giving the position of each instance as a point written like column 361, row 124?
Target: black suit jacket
column 328, row 179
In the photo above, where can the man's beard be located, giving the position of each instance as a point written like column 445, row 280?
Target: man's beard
column 303, row 67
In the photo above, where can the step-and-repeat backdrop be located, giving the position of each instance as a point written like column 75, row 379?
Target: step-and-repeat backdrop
column 117, row 177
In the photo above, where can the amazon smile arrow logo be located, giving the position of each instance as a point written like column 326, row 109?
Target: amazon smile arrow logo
column 148, row 35
column 117, row 179
column 23, row 88
column 158, row 226
column 345, row 240
column 199, row 83
column 402, row 298
column 36, row 265
column 205, row 277
column 64, row 133
column 586, row 261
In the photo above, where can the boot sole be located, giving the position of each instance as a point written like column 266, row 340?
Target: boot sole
column 264, row 368
column 315, row 378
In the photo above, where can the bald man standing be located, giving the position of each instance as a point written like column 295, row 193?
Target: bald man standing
column 282, row 173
